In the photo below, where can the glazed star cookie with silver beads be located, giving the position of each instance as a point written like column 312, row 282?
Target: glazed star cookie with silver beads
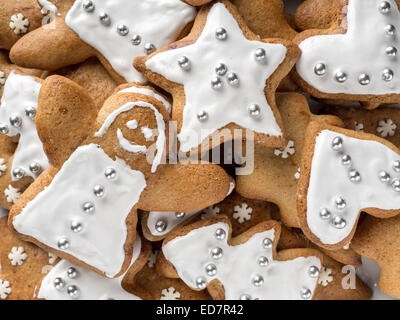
column 336, row 63
column 116, row 31
column 363, row 174
column 260, row 273
column 109, row 171
column 214, row 90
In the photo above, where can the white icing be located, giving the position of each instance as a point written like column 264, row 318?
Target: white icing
column 157, row 22
column 21, row 92
column 282, row 279
column 48, row 217
column 169, row 217
column 329, row 180
column 228, row 104
column 364, row 42
column 125, row 144
column 132, row 124
column 149, row 92
column 369, row 273
column 91, row 285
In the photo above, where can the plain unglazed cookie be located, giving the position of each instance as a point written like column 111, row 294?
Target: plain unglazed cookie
column 109, row 163
column 335, row 62
column 105, row 29
column 243, row 267
column 93, row 77
column 345, row 172
column 377, row 239
column 211, row 96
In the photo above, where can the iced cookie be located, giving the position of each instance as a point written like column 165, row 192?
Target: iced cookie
column 117, row 169
column 336, row 63
column 115, row 31
column 343, row 173
column 244, row 267
column 211, row 88
column 22, row 157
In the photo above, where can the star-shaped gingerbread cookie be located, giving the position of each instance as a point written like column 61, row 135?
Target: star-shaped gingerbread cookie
column 222, row 76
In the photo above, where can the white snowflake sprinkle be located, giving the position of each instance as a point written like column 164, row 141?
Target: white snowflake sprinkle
column 17, row 256
column 52, row 258
column 170, row 294
column 12, row 194
column 358, row 126
column 2, row 78
column 3, row 166
column 19, row 24
column 210, row 212
column 386, row 128
column 325, row 276
column 287, row 152
column 297, row 174
column 242, row 213
column 5, row 289
column 152, row 259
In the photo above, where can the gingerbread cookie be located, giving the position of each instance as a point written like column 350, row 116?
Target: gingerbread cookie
column 117, row 169
column 93, row 77
column 377, row 239
column 221, row 100
column 243, row 214
column 223, row 264
column 22, row 155
column 306, row 18
column 362, row 172
column 267, row 19
column 105, row 29
column 347, row 74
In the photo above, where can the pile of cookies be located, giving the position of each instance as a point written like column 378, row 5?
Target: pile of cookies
column 198, row 149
